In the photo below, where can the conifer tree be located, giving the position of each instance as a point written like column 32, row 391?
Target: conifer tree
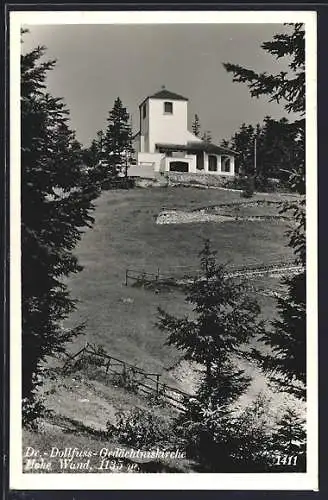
column 286, row 362
column 288, row 88
column 56, row 204
column 288, row 442
column 118, row 141
column 207, row 137
column 94, row 158
column 242, row 141
column 196, row 126
column 224, row 319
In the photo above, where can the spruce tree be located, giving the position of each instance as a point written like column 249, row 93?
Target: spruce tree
column 288, row 88
column 56, row 202
column 118, row 141
column 280, row 87
column 196, row 126
column 94, row 158
column 224, row 319
column 286, row 361
column 207, row 137
column 242, row 141
column 288, row 442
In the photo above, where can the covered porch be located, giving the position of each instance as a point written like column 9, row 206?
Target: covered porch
column 197, row 157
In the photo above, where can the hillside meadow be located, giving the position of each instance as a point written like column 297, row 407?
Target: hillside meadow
column 125, row 235
column 123, row 318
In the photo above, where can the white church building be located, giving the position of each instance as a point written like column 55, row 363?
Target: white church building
column 164, row 143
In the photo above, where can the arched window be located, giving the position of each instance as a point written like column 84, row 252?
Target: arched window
column 226, row 164
column 212, row 163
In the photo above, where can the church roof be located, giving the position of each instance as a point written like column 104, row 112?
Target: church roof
column 167, row 94
column 193, row 147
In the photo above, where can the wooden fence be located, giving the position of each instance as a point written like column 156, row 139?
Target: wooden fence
column 131, row 376
column 180, row 276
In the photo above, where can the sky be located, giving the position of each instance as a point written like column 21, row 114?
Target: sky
column 98, row 63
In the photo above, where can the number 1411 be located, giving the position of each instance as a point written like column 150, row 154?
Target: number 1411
column 286, row 460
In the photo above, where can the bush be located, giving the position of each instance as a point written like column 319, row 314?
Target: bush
column 118, row 183
column 288, row 442
column 236, row 182
column 157, row 399
column 140, row 428
column 266, row 185
column 126, row 379
column 32, row 413
column 249, row 187
column 248, row 441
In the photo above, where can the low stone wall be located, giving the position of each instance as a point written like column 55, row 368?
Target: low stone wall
column 191, row 179
column 182, row 217
column 145, row 182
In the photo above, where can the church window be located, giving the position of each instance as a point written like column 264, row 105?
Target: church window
column 226, row 164
column 168, row 108
column 212, row 163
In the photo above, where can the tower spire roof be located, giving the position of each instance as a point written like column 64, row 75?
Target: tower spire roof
column 167, row 94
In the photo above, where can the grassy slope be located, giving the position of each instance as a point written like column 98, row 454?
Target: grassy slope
column 125, row 236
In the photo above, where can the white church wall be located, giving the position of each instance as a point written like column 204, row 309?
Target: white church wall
column 165, row 127
column 190, row 137
column 151, row 158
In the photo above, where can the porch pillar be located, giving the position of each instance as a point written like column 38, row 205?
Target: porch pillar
column 219, row 163
column 205, row 162
column 232, row 165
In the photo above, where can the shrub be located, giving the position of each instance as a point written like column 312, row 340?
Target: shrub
column 119, row 183
column 249, row 187
column 236, row 182
column 157, row 399
column 126, row 379
column 140, row 428
column 288, row 442
column 250, row 440
column 265, row 185
column 32, row 413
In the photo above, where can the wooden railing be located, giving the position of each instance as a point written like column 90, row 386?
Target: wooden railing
column 180, row 276
column 131, row 375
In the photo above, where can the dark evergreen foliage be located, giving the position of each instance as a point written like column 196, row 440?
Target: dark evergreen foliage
column 56, row 204
column 196, row 125
column 207, row 137
column 288, row 442
column 224, row 319
column 286, row 362
column 280, row 87
column 278, row 149
column 118, row 141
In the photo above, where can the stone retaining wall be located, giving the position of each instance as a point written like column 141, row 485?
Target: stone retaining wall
column 181, row 178
column 181, row 217
column 145, row 182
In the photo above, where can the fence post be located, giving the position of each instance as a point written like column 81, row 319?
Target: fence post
column 157, row 384
column 126, row 277
column 158, row 274
column 82, row 356
column 124, row 372
column 164, row 391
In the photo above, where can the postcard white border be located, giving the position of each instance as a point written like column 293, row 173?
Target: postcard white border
column 193, row 481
